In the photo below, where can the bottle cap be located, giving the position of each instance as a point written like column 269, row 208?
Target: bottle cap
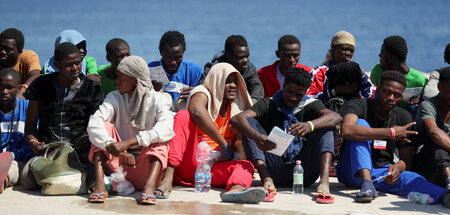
column 298, row 162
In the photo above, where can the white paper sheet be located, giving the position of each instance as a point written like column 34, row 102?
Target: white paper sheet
column 281, row 138
column 158, row 74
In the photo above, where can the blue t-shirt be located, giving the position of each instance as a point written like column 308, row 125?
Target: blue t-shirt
column 17, row 143
column 188, row 75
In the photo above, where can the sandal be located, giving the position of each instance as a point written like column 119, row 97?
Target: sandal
column 324, row 198
column 270, row 196
column 148, row 199
column 364, row 197
column 98, row 197
column 165, row 193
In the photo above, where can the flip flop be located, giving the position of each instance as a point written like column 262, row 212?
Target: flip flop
column 270, row 196
column 364, row 197
column 324, row 198
column 163, row 196
column 98, row 197
column 248, row 195
column 148, row 199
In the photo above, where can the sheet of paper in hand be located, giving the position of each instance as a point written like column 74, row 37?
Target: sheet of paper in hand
column 281, row 138
column 158, row 74
column 411, row 92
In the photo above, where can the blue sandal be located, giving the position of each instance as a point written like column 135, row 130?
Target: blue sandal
column 248, row 195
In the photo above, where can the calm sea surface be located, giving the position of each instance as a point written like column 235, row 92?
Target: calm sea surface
column 425, row 24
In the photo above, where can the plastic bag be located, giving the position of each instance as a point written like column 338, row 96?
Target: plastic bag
column 121, row 185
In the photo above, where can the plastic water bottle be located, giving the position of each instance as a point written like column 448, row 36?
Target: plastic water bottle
column 420, row 198
column 297, row 186
column 203, row 172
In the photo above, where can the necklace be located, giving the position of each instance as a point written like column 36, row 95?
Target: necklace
column 10, row 131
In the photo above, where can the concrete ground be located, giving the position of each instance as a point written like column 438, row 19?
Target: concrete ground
column 183, row 200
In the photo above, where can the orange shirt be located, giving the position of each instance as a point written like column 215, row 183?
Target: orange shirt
column 27, row 62
column 223, row 126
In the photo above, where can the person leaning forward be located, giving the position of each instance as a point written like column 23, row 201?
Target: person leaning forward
column 307, row 119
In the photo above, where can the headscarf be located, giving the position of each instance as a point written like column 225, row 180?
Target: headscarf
column 341, row 37
column 136, row 67
column 66, row 36
column 214, row 87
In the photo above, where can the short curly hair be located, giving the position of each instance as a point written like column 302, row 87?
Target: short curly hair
column 234, row 41
column 13, row 33
column 444, row 75
column 172, row 39
column 397, row 46
column 392, row 75
column 298, row 76
column 288, row 39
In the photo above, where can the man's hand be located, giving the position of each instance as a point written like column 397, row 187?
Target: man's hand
column 344, row 89
column 37, row 148
column 264, row 144
column 394, row 172
column 302, row 128
column 157, row 86
column 227, row 152
column 402, row 132
column 414, row 100
column 116, row 148
column 184, row 93
column 127, row 159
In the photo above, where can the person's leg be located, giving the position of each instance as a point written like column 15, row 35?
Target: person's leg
column 181, row 163
column 441, row 159
column 235, row 175
column 355, row 167
column 150, row 184
column 257, row 157
column 13, row 174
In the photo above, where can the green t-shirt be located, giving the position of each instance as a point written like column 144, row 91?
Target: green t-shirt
column 91, row 65
column 414, row 79
column 108, row 84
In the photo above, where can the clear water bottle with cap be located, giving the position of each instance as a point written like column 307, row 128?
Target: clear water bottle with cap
column 297, row 186
column 203, row 172
column 420, row 198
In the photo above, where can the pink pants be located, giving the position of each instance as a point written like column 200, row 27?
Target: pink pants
column 182, row 155
column 137, row 176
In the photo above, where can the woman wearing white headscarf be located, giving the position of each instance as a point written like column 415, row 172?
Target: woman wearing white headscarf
column 210, row 107
column 139, row 116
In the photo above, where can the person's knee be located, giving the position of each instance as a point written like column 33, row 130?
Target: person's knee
column 247, row 165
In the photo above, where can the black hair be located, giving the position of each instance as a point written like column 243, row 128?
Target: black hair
column 172, row 39
column 397, row 46
column 298, row 76
column 10, row 72
column 393, row 76
column 346, row 72
column 444, row 75
column 13, row 33
column 113, row 44
column 288, row 39
column 64, row 49
column 234, row 41
column 447, row 54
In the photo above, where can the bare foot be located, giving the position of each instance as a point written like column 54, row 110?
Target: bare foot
column 165, row 188
column 269, row 185
column 323, row 188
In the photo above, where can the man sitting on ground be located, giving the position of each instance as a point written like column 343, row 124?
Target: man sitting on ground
column 210, row 107
column 237, row 54
column 272, row 77
column 133, row 122
column 12, row 55
column 433, row 125
column 116, row 50
column 183, row 75
column 373, row 129
column 308, row 120
column 62, row 102
column 14, row 150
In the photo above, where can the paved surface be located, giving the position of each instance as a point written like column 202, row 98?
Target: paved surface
column 183, row 200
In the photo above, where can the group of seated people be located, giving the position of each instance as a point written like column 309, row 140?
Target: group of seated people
column 116, row 115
